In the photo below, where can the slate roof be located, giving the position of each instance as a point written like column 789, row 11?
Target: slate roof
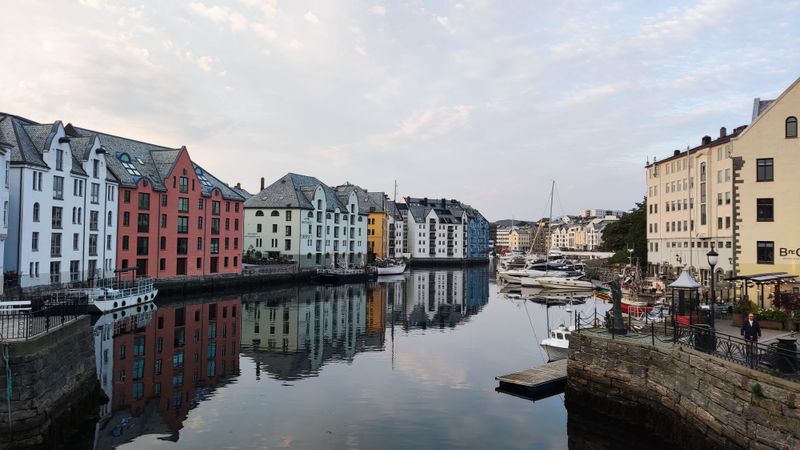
column 367, row 201
column 23, row 150
column 759, row 106
column 393, row 209
column 448, row 211
column 294, row 191
column 241, row 191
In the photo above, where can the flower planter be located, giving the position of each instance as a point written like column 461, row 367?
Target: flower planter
column 737, row 319
column 771, row 324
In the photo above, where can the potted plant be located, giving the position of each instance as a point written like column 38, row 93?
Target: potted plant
column 740, row 310
column 771, row 319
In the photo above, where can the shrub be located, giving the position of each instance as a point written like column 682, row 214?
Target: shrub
column 771, row 314
column 757, row 390
column 744, row 307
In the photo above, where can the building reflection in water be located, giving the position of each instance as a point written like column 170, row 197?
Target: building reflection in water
column 291, row 333
column 156, row 365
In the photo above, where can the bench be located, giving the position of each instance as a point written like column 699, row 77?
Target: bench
column 11, row 307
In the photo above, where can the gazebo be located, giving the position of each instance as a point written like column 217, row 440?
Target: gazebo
column 685, row 297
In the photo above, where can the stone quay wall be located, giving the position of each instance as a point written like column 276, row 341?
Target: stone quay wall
column 690, row 398
column 50, row 375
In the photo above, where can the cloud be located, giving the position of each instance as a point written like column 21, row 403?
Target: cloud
column 378, row 10
column 295, row 44
column 592, row 93
column 430, row 123
column 311, row 18
column 206, row 63
column 358, row 49
column 445, row 23
column 684, row 23
column 222, row 15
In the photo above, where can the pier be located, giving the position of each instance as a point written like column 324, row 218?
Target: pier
column 536, row 383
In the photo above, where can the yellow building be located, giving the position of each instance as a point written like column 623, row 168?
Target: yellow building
column 519, row 240
column 375, row 203
column 766, row 162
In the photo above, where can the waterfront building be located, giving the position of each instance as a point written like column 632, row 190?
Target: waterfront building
column 303, row 220
column 176, row 218
column 374, row 203
column 690, row 208
column 579, row 233
column 502, row 237
column 766, row 161
column 435, row 228
column 397, row 241
column 519, row 240
column 589, row 213
column 61, row 214
column 4, row 201
column 476, row 245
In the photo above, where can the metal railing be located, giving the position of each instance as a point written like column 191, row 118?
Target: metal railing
column 24, row 323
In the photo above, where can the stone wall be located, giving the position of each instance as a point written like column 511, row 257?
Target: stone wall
column 690, row 398
column 51, row 374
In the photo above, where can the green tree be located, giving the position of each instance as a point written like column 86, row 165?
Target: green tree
column 630, row 231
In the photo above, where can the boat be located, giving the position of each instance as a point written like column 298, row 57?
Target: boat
column 334, row 276
column 557, row 344
column 391, row 269
column 573, row 283
column 119, row 295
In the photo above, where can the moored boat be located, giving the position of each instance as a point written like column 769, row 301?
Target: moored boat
column 573, row 283
column 394, row 269
column 557, row 344
column 118, row 295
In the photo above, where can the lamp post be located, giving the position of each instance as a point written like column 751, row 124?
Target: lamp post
column 713, row 258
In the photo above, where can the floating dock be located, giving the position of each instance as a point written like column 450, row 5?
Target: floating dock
column 537, row 383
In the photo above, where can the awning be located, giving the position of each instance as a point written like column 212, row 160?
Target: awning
column 763, row 277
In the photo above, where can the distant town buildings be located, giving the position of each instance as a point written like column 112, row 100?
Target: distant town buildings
column 575, row 233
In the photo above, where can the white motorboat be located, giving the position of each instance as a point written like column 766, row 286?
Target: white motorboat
column 394, row 269
column 557, row 344
column 573, row 283
column 119, row 295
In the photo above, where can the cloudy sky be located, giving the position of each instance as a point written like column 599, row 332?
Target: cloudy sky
column 481, row 101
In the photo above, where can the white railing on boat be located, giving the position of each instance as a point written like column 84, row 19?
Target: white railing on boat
column 140, row 287
column 340, row 271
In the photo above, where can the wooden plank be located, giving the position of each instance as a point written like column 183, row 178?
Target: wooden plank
column 541, row 376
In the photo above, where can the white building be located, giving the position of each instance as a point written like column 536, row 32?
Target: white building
column 62, row 204
column 398, row 244
column 435, row 228
column 4, row 200
column 301, row 219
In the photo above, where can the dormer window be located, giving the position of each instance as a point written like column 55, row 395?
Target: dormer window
column 201, row 176
column 791, row 127
column 125, row 159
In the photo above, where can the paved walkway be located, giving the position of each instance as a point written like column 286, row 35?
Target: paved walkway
column 767, row 336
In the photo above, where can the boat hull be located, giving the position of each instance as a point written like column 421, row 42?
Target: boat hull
column 554, row 352
column 103, row 305
column 391, row 270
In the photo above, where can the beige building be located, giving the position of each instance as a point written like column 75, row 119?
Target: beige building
column 690, row 208
column 519, row 239
column 766, row 174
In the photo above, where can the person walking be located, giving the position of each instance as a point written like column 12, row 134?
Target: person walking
column 751, row 332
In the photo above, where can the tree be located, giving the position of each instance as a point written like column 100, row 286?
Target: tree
column 630, row 231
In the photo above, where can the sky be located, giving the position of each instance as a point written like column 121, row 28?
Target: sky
column 485, row 102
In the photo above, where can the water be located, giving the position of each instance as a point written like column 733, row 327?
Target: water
column 405, row 363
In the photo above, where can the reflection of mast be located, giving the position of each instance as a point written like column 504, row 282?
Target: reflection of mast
column 392, row 300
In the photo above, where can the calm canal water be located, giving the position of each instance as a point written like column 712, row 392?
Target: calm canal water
column 407, row 362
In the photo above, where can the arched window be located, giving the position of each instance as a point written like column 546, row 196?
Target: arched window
column 791, row 127
column 259, row 213
column 275, row 214
column 36, row 212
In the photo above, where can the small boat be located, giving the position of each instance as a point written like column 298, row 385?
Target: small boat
column 557, row 344
column 334, row 276
column 394, row 269
column 119, row 295
column 573, row 283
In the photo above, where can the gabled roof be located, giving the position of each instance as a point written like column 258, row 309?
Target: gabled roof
column 367, row 201
column 23, row 149
column 762, row 111
column 294, row 191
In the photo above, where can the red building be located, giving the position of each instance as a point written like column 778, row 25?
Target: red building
column 175, row 218
column 163, row 370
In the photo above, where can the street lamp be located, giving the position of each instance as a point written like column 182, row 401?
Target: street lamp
column 713, row 258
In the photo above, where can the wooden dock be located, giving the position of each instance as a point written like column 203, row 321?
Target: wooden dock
column 547, row 379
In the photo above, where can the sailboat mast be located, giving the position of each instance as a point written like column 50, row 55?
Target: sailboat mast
column 550, row 227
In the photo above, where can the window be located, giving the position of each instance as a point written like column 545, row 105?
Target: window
column 259, row 213
column 765, row 252
column 56, row 222
column 76, row 241
column 94, row 218
column 55, row 244
column 164, row 200
column 288, row 244
column 214, row 245
column 92, row 245
column 215, row 225
column 764, row 169
column 275, row 227
column 126, row 196
column 163, row 221
column 227, row 224
column 183, row 187
column 126, row 218
column 200, row 204
column 95, row 193
column 289, row 230
column 125, row 159
column 183, row 224
column 288, row 216
column 142, row 244
column 143, row 223
column 35, row 241
column 163, row 244
column 36, row 212
column 227, row 206
column 764, row 210
column 215, row 208
column 60, row 159
column 110, row 221
column 258, row 228
column 58, row 188
column 183, row 204
column 199, row 245
column 125, row 243
column 74, row 270
column 144, row 200
column 791, row 127
column 183, row 246
column 199, row 223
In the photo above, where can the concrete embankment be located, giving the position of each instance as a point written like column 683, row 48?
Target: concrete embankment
column 176, row 287
column 694, row 400
column 52, row 375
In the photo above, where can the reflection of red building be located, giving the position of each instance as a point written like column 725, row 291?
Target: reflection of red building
column 181, row 351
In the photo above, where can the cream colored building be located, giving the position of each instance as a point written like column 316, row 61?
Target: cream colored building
column 767, row 178
column 690, row 209
column 519, row 239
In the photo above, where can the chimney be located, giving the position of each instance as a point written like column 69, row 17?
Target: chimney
column 238, row 185
column 706, row 140
column 723, row 132
column 676, row 153
column 425, row 201
column 444, row 203
column 262, row 183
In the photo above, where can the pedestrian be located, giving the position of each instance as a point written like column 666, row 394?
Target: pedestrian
column 751, row 330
